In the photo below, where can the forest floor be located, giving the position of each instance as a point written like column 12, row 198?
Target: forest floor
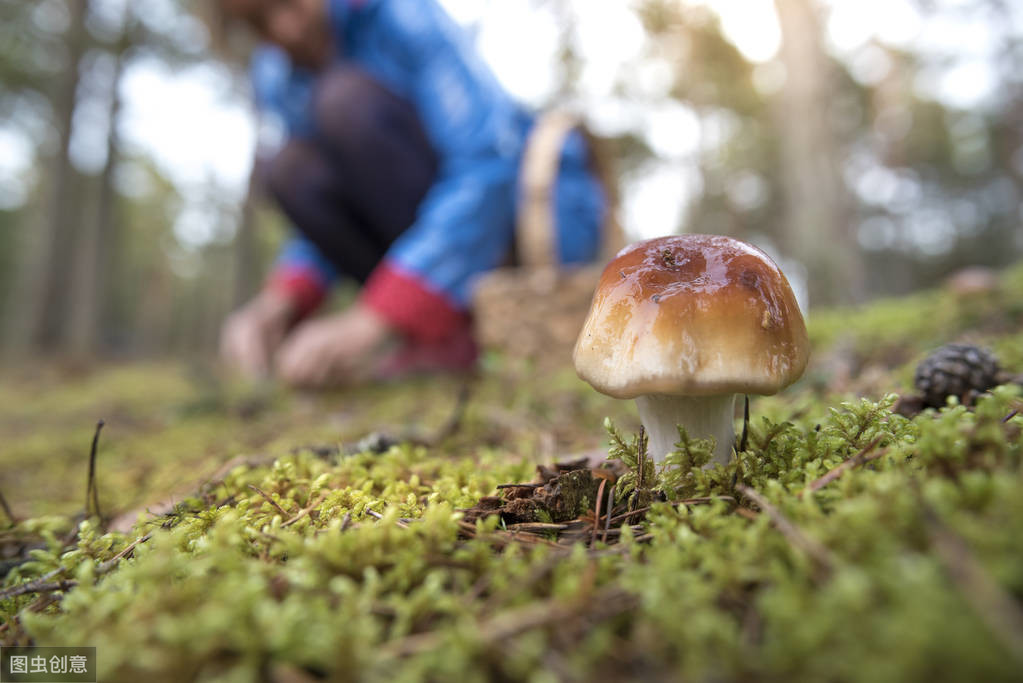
column 246, row 533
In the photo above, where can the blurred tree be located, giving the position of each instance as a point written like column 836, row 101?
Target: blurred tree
column 738, row 153
column 97, row 269
column 247, row 267
column 45, row 284
column 98, row 232
column 817, row 230
column 847, row 159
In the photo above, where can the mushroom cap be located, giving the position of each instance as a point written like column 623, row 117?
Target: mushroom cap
column 693, row 315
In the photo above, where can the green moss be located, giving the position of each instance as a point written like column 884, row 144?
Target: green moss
column 360, row 569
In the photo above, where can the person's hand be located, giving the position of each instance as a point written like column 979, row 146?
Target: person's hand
column 251, row 334
column 334, row 350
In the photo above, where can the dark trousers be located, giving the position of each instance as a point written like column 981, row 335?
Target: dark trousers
column 356, row 185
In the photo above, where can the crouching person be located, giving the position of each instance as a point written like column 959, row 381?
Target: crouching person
column 400, row 172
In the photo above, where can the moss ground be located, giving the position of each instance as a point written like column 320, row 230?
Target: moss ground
column 311, row 555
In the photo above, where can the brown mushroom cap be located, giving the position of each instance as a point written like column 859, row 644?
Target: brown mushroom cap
column 694, row 315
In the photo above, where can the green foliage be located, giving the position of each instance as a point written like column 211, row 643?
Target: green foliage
column 680, row 474
column 637, row 485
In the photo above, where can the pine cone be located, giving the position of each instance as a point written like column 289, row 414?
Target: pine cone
column 956, row 370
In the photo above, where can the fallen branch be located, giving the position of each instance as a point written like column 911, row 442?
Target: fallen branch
column 993, row 605
column 91, row 493
column 687, row 501
column 610, row 509
column 744, row 439
column 505, row 538
column 537, row 527
column 268, row 499
column 38, row 586
column 8, row 593
column 376, row 515
column 790, row 531
column 46, row 584
column 168, row 506
column 127, row 550
column 834, row 473
column 596, row 511
column 304, row 511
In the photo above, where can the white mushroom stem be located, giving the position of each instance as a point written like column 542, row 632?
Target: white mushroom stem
column 704, row 417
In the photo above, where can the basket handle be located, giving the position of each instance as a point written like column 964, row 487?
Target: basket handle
column 535, row 240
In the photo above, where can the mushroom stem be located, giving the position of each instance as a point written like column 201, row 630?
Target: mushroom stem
column 704, row 417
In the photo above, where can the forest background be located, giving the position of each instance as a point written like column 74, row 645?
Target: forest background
column 872, row 147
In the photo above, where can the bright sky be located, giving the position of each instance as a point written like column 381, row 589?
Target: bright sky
column 198, row 137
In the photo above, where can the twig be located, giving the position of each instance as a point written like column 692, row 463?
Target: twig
column 596, row 511
column 45, row 583
column 687, row 501
column 504, row 538
column 512, row 535
column 834, row 473
column 269, row 499
column 91, row 493
column 377, row 515
column 570, row 536
column 38, row 586
column 642, row 442
column 127, row 550
column 744, row 439
column 610, row 509
column 537, row 527
column 995, row 607
column 10, row 592
column 42, row 602
column 304, row 511
column 519, row 486
column 790, row 531
column 168, row 507
column 346, row 522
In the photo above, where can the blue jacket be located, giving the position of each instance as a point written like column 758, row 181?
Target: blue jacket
column 464, row 226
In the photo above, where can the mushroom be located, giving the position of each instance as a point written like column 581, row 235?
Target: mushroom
column 683, row 324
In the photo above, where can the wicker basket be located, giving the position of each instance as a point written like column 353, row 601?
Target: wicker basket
column 535, row 308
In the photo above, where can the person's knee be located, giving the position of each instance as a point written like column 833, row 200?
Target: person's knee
column 348, row 102
column 288, row 172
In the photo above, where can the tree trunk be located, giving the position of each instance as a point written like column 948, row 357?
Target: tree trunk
column 44, row 299
column 246, row 252
column 818, row 229
column 91, row 259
